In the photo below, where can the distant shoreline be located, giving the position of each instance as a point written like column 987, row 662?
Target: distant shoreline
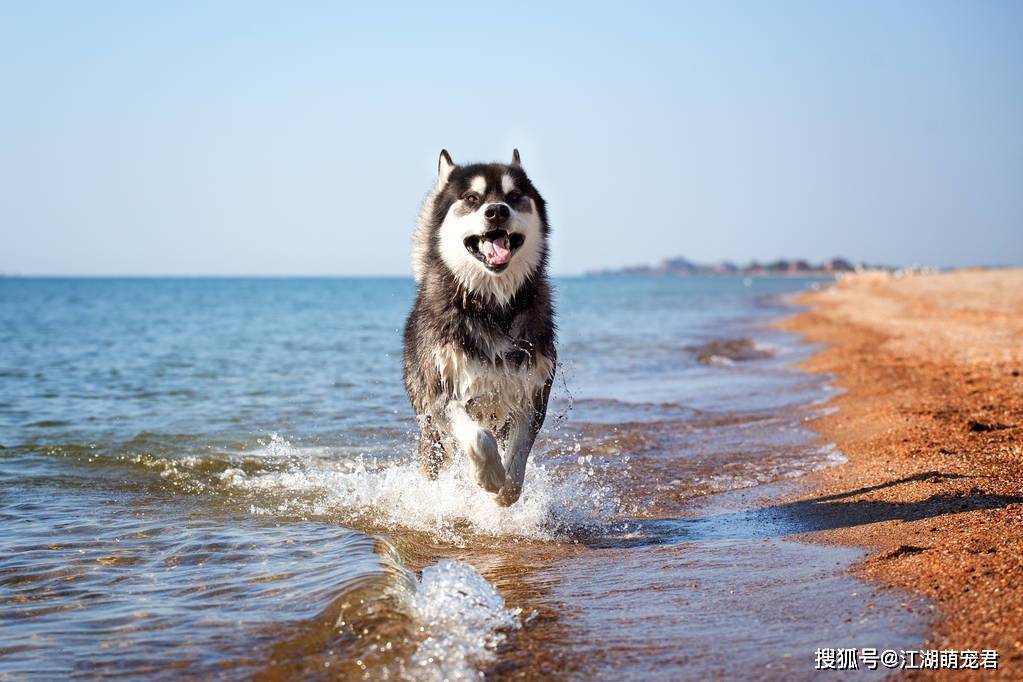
column 797, row 267
column 722, row 275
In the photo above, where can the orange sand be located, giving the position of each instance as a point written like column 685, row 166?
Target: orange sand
column 932, row 424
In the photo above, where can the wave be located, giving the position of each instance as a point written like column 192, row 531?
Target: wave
column 445, row 624
column 726, row 352
column 464, row 619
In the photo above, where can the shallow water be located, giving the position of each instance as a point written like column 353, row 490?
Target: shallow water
column 215, row 478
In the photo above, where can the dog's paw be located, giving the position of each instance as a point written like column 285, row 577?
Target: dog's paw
column 486, row 461
column 508, row 494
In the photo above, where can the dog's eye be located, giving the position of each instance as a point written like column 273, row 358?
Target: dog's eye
column 513, row 197
column 471, row 198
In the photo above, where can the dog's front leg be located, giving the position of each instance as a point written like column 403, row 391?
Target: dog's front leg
column 479, row 445
column 431, row 449
column 516, row 452
column 521, row 436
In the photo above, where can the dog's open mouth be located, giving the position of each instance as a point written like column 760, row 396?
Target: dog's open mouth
column 494, row 248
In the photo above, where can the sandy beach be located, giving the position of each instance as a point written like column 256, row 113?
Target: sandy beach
column 931, row 420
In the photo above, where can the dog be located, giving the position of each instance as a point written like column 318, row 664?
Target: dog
column 480, row 356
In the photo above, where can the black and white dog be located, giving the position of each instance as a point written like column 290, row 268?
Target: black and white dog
column 479, row 342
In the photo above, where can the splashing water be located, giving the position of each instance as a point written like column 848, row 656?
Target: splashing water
column 455, row 620
column 378, row 491
column 464, row 619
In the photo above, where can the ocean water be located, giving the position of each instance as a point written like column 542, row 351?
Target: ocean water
column 215, row 478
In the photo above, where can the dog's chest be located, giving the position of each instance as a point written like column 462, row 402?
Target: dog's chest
column 497, row 387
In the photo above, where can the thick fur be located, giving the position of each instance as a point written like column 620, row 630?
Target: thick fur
column 479, row 343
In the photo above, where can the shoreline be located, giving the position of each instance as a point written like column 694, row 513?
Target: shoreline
column 931, row 422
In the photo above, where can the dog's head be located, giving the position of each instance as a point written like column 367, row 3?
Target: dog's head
column 486, row 224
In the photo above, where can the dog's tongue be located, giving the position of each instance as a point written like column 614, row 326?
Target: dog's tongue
column 497, row 251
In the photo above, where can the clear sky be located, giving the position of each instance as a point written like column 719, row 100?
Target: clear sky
column 300, row 138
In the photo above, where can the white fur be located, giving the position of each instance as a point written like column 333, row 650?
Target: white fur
column 479, row 185
column 479, row 445
column 507, row 183
column 421, row 235
column 470, row 272
column 463, row 428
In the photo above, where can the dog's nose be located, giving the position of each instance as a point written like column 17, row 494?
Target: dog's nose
column 497, row 213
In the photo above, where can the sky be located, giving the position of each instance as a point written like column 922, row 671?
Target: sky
column 300, row 138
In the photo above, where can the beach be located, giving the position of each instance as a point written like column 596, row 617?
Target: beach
column 931, row 421
column 228, row 467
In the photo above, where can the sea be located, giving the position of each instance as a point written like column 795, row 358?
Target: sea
column 216, row 479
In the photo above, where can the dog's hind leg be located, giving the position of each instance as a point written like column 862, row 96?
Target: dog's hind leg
column 479, row 445
column 521, row 436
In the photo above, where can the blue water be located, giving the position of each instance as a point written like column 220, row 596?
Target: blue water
column 215, row 477
column 230, row 359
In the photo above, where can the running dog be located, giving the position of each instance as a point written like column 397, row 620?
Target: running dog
column 479, row 342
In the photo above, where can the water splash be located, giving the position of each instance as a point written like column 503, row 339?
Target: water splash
column 463, row 618
column 394, row 493
column 444, row 625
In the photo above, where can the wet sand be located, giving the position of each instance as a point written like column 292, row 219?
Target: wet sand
column 931, row 420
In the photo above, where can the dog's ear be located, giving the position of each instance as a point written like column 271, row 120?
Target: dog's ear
column 444, row 167
column 516, row 161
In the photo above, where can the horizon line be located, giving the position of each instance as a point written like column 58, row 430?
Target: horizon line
column 600, row 272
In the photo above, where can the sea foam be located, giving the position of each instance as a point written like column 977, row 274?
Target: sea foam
column 392, row 492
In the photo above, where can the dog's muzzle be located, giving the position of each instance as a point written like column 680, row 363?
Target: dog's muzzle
column 494, row 248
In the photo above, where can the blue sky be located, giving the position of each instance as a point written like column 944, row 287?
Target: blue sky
column 300, row 138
